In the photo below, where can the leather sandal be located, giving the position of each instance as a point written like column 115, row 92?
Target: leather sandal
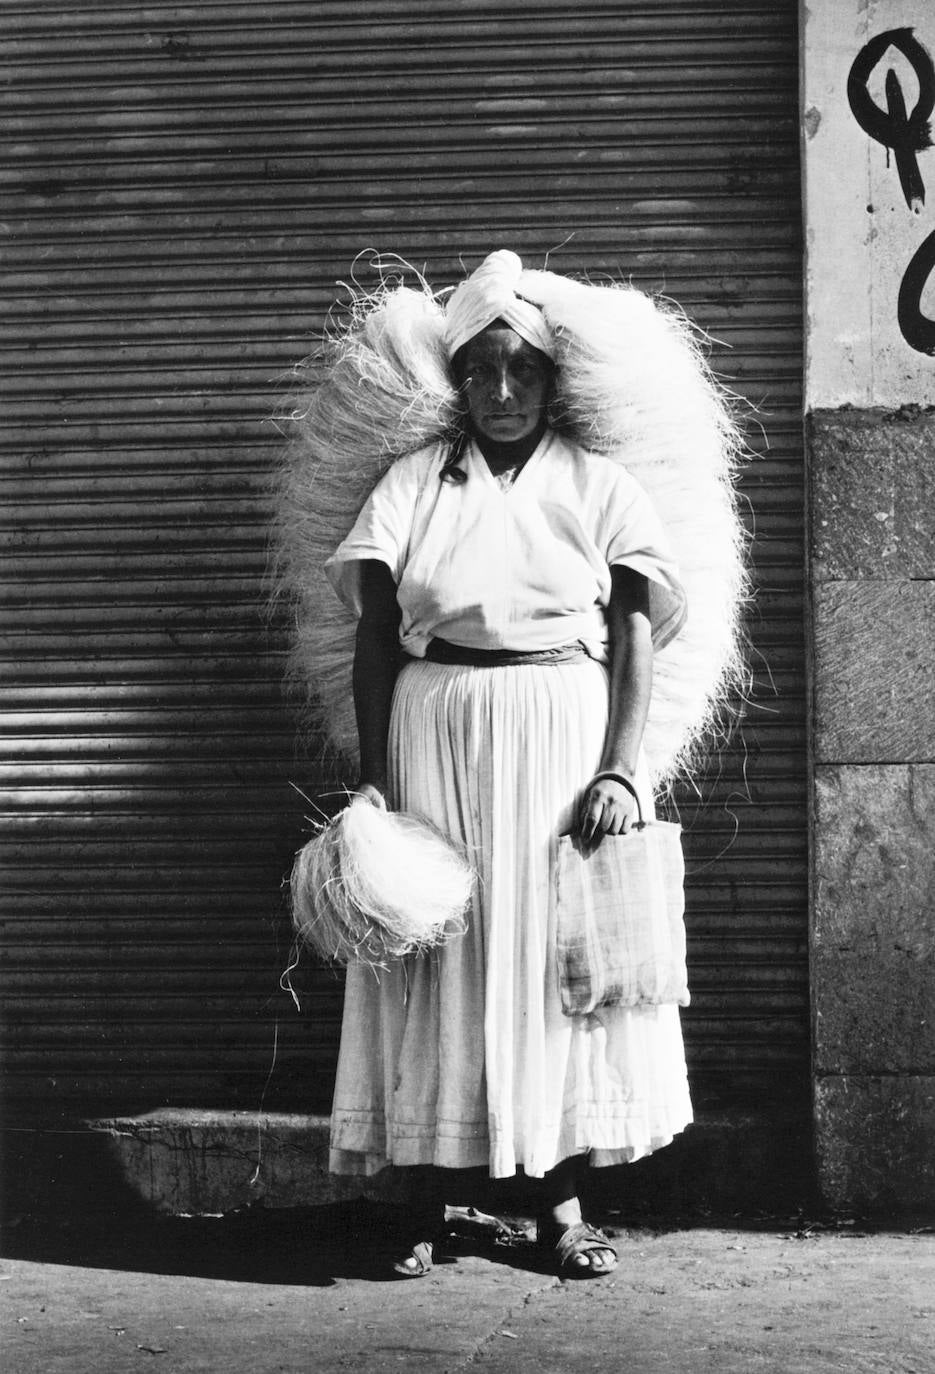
column 570, row 1242
column 422, row 1237
column 422, row 1252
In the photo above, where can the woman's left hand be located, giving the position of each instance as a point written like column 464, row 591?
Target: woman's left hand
column 605, row 808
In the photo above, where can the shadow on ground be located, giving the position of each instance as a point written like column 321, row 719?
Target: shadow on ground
column 310, row 1247
column 65, row 1202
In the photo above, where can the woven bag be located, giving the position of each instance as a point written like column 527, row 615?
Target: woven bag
column 619, row 917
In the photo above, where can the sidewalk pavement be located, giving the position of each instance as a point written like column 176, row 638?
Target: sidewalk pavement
column 268, row 1292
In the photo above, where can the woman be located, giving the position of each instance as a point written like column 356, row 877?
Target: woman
column 526, row 581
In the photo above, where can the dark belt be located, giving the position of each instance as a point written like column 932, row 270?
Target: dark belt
column 441, row 651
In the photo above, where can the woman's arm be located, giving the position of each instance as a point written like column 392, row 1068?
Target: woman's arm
column 376, row 665
column 607, row 807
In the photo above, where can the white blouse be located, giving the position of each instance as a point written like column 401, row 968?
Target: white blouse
column 524, row 567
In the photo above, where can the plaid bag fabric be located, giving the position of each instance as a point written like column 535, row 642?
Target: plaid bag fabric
column 619, row 920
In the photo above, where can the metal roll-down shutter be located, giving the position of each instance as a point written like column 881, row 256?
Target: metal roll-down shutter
column 183, row 185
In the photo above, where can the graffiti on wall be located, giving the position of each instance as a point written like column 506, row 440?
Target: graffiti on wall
column 905, row 134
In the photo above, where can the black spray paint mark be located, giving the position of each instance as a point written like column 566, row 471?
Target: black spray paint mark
column 917, row 329
column 907, row 134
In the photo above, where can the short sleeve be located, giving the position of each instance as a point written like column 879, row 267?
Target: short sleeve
column 381, row 531
column 634, row 537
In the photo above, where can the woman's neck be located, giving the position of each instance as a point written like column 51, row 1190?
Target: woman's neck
column 500, row 457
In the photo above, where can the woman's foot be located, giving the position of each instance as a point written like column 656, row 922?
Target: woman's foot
column 582, row 1250
column 421, row 1240
column 418, row 1261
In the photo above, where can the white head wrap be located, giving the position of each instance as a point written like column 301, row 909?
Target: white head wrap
column 491, row 293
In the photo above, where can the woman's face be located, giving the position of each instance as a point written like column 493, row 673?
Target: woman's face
column 506, row 384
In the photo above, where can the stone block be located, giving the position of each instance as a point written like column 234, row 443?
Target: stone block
column 874, row 672
column 874, row 1143
column 872, row 494
column 207, row 1162
column 873, row 942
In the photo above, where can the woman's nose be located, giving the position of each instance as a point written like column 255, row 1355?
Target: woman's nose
column 504, row 389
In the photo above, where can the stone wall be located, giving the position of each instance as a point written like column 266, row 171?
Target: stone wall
column 873, row 932
column 868, row 90
column 873, row 822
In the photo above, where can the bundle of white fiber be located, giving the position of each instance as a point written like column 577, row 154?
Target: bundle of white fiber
column 378, row 389
column 374, row 885
column 632, row 383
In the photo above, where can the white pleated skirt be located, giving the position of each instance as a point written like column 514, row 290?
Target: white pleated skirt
column 463, row 1057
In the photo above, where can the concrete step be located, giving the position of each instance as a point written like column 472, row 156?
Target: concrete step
column 191, row 1162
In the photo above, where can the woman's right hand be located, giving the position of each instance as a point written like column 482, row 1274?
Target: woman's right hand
column 371, row 793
